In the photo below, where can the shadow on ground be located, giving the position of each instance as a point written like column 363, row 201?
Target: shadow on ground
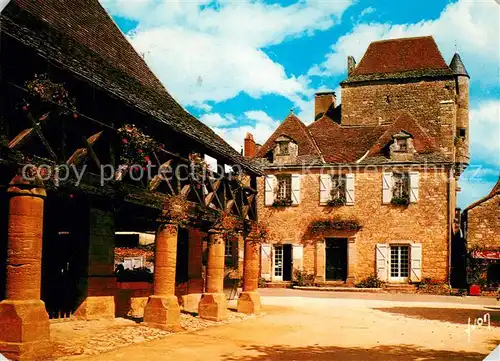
column 453, row 315
column 327, row 353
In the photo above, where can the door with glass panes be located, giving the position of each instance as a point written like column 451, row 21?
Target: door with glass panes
column 400, row 263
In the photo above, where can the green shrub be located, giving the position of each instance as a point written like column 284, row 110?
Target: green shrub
column 262, row 283
column 370, row 282
column 302, row 278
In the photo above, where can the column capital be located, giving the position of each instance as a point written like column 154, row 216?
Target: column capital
column 216, row 230
column 20, row 186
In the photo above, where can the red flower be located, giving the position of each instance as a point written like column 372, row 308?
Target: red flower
column 147, row 159
column 71, row 196
column 124, row 141
column 139, row 151
column 25, row 108
column 75, row 115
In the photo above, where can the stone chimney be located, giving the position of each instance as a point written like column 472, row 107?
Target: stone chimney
column 322, row 102
column 250, row 148
column 351, row 65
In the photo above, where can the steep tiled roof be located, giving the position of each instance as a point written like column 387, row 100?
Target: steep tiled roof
column 298, row 132
column 457, row 66
column 495, row 191
column 81, row 37
column 343, row 144
column 400, row 58
column 422, row 142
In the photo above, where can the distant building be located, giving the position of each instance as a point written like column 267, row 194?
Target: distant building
column 369, row 188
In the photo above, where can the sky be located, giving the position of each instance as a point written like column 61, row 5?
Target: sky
column 241, row 66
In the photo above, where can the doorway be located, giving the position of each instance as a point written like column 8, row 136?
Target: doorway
column 336, row 259
column 400, row 263
column 283, row 262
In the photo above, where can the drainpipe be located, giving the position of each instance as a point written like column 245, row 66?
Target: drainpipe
column 450, row 225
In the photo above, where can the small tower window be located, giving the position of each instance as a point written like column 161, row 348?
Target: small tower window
column 462, row 132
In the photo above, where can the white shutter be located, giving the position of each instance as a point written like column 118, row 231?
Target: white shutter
column 414, row 180
column 416, row 262
column 265, row 262
column 297, row 256
column 382, row 261
column 349, row 189
column 295, row 188
column 269, row 190
column 386, row 188
column 325, row 188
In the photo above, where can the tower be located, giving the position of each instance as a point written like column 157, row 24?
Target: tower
column 462, row 101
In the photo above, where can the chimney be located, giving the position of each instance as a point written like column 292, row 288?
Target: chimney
column 351, row 65
column 322, row 102
column 250, row 148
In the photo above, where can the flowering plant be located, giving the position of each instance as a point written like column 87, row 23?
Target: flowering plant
column 335, row 223
column 43, row 88
column 136, row 146
column 176, row 209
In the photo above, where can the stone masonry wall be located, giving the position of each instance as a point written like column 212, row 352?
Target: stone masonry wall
column 379, row 103
column 425, row 222
column 483, row 225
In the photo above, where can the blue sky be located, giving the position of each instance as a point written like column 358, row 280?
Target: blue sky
column 240, row 66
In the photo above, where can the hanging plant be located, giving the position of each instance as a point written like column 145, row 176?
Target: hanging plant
column 261, row 231
column 42, row 88
column 400, row 201
column 176, row 209
column 137, row 147
column 336, row 224
column 336, row 202
column 198, row 167
column 282, row 202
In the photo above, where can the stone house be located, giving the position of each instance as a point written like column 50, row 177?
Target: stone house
column 369, row 187
column 481, row 221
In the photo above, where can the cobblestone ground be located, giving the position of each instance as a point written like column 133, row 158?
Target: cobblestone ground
column 90, row 338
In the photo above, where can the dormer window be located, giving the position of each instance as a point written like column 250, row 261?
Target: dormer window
column 285, row 147
column 402, row 146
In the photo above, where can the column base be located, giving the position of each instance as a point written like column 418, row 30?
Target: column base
column 163, row 312
column 25, row 331
column 213, row 306
column 190, row 302
column 96, row 308
column 249, row 303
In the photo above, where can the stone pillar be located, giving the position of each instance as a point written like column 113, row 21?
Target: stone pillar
column 24, row 322
column 163, row 308
column 249, row 300
column 213, row 303
column 195, row 269
column 351, row 260
column 99, row 282
column 320, row 261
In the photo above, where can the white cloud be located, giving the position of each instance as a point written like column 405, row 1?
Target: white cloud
column 261, row 125
column 367, row 11
column 472, row 26
column 480, row 177
column 217, row 120
column 211, row 51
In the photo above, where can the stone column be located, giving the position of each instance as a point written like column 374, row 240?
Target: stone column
column 163, row 308
column 213, row 303
column 249, row 301
column 195, row 265
column 351, row 260
column 99, row 280
column 24, row 322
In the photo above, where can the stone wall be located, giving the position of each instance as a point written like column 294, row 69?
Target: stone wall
column 483, row 225
column 380, row 102
column 425, row 222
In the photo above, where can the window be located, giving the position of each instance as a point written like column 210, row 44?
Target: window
column 402, row 145
column 461, row 132
column 284, row 191
column 338, row 187
column 401, row 187
column 229, row 253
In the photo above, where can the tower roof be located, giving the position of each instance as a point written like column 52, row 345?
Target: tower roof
column 400, row 58
column 457, row 66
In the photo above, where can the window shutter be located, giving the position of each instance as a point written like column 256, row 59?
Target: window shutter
column 265, row 259
column 382, row 261
column 297, row 256
column 349, row 189
column 325, row 187
column 386, row 188
column 416, row 262
column 269, row 190
column 414, row 182
column 295, row 188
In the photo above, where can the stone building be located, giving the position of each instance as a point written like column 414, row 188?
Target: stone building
column 481, row 222
column 76, row 96
column 369, row 187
